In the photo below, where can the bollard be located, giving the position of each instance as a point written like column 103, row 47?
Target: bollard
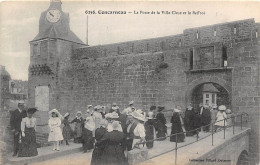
column 212, row 132
column 224, row 128
column 176, row 145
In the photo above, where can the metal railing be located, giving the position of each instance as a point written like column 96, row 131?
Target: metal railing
column 197, row 132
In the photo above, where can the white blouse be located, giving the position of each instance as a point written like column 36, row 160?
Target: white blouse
column 28, row 122
column 139, row 130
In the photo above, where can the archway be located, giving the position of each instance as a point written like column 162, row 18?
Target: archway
column 210, row 93
column 243, row 158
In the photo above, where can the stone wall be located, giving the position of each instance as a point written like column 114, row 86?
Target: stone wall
column 158, row 72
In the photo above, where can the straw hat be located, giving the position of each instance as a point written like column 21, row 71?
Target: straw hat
column 79, row 112
column 97, row 107
column 89, row 106
column 115, row 108
column 137, row 115
column 56, row 112
column 214, row 106
column 112, row 115
column 222, row 108
column 228, row 111
column 150, row 115
column 66, row 114
column 131, row 102
column 189, row 107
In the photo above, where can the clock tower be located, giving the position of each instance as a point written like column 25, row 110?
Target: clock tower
column 50, row 54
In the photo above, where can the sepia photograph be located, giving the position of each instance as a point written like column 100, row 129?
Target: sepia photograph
column 129, row 82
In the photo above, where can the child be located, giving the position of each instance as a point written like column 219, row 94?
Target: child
column 55, row 134
column 221, row 117
column 67, row 131
column 87, row 134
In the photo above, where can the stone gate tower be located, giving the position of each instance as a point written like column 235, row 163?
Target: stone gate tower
column 50, row 51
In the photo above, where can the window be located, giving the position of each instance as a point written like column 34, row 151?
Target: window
column 36, row 49
column 235, row 29
column 256, row 34
column 215, row 32
column 224, row 56
column 191, row 58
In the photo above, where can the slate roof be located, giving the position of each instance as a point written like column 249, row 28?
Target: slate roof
column 54, row 33
column 209, row 88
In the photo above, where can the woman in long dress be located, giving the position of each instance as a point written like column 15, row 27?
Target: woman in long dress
column 161, row 127
column 114, row 150
column 139, row 131
column 28, row 145
column 97, row 155
column 221, row 118
column 87, row 133
column 149, row 130
column 67, row 131
column 177, row 127
column 55, row 134
column 79, row 124
column 189, row 121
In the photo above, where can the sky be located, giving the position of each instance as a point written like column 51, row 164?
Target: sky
column 19, row 23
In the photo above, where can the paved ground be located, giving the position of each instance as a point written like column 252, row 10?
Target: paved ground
column 160, row 148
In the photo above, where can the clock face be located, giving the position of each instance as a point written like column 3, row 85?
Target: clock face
column 53, row 15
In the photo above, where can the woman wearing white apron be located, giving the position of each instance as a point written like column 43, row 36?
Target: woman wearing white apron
column 221, row 117
column 139, row 131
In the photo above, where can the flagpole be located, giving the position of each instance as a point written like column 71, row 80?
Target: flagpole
column 87, row 32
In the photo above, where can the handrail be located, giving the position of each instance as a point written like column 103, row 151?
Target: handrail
column 212, row 133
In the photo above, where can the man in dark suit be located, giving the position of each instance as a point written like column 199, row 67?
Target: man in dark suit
column 15, row 123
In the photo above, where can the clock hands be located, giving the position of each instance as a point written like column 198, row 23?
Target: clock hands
column 51, row 14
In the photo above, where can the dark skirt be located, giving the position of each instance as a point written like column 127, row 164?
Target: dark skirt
column 161, row 130
column 87, row 139
column 67, row 132
column 28, row 147
column 98, row 156
column 180, row 136
column 114, row 155
column 149, row 131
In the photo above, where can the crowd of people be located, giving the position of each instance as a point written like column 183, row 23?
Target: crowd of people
column 111, row 132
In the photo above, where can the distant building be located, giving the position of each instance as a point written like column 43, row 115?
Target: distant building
column 4, row 85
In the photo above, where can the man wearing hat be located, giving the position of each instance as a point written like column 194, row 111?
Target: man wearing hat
column 15, row 123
